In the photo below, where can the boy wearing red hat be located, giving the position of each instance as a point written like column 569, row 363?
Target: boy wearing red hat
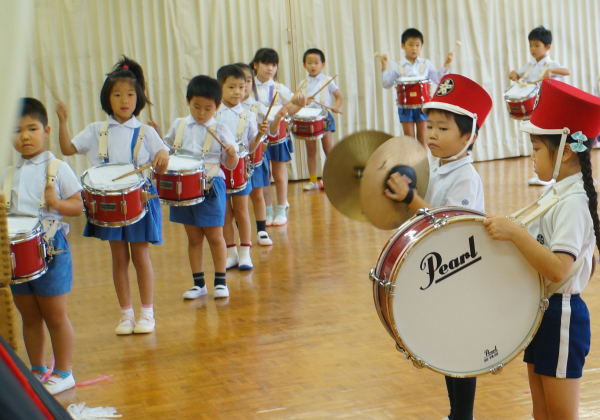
column 454, row 117
column 559, row 243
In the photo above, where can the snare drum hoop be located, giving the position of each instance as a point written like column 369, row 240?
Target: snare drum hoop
column 533, row 94
column 399, row 82
column 27, row 236
column 322, row 115
column 181, row 203
column 123, row 191
column 394, row 275
column 184, row 172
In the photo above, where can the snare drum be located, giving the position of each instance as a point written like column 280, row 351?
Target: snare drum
column 111, row 203
column 27, row 249
column 309, row 123
column 282, row 134
column 183, row 183
column 237, row 180
column 520, row 100
column 454, row 300
column 256, row 158
column 413, row 92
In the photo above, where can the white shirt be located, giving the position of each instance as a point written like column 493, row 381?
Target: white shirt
column 456, row 183
column 231, row 117
column 568, row 228
column 314, row 84
column 388, row 77
column 194, row 135
column 536, row 69
column 119, row 142
column 265, row 94
column 29, row 183
column 259, row 111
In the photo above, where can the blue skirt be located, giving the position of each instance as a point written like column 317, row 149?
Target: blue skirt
column 261, row 176
column 148, row 229
column 58, row 280
column 209, row 213
column 281, row 152
column 331, row 126
column 246, row 191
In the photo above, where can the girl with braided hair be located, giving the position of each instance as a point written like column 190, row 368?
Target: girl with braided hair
column 560, row 243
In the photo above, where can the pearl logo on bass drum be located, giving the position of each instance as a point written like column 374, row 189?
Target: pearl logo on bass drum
column 434, row 264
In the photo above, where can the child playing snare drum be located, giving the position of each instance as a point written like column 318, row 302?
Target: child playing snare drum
column 412, row 65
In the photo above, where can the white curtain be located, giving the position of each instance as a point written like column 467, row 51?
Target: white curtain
column 75, row 42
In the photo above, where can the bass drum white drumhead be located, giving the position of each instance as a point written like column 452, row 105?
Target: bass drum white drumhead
column 478, row 308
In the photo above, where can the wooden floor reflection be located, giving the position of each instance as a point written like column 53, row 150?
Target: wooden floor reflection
column 298, row 338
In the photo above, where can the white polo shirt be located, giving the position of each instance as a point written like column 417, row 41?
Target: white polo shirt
column 266, row 91
column 194, row 135
column 261, row 110
column 388, row 77
column 120, row 138
column 568, row 228
column 536, row 69
column 314, row 84
column 29, row 183
column 231, row 117
column 456, row 183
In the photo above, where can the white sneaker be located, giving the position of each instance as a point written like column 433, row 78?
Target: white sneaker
column 56, row 384
column 536, row 181
column 263, row 239
column 232, row 258
column 126, row 325
column 280, row 220
column 311, row 186
column 245, row 260
column 195, row 292
column 221, row 291
column 145, row 324
column 38, row 374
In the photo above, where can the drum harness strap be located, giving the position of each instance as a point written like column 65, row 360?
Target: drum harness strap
column 421, row 67
column 51, row 226
column 103, row 142
column 535, row 214
column 544, row 69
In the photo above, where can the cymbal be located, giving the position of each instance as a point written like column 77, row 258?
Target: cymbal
column 404, row 155
column 344, row 167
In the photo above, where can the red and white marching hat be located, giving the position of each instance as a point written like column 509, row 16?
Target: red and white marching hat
column 563, row 109
column 461, row 95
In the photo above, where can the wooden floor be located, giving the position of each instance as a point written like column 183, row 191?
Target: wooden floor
column 299, row 337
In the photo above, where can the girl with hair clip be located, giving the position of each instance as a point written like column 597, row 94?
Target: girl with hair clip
column 264, row 66
column 559, row 243
column 123, row 98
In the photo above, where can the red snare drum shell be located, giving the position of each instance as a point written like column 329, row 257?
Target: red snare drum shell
column 237, row 179
column 413, row 95
column 281, row 137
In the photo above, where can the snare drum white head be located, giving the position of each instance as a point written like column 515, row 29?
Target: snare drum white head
column 101, row 177
column 19, row 225
column 411, row 79
column 517, row 91
column 183, row 163
column 311, row 113
column 479, row 310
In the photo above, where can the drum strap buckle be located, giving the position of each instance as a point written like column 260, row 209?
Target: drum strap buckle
column 437, row 222
column 388, row 286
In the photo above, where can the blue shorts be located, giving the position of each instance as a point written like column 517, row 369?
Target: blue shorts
column 261, row 176
column 563, row 341
column 209, row 213
column 331, row 126
column 58, row 280
column 281, row 152
column 246, row 191
column 147, row 229
column 411, row 114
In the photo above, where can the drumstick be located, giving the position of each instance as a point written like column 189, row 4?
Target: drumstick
column 456, row 45
column 535, row 82
column 298, row 91
column 135, row 171
column 324, row 86
column 377, row 55
column 216, row 138
column 270, row 106
column 187, row 78
column 325, row 106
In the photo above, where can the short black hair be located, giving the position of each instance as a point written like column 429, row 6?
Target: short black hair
column 541, row 34
column 230, row 70
column 35, row 109
column 464, row 122
column 315, row 51
column 126, row 69
column 412, row 33
column 205, row 87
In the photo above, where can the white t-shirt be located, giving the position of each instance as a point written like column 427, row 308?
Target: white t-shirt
column 120, row 137
column 194, row 135
column 536, row 69
column 314, row 84
column 456, row 183
column 29, row 183
column 266, row 91
column 388, row 77
column 231, row 117
column 568, row 228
